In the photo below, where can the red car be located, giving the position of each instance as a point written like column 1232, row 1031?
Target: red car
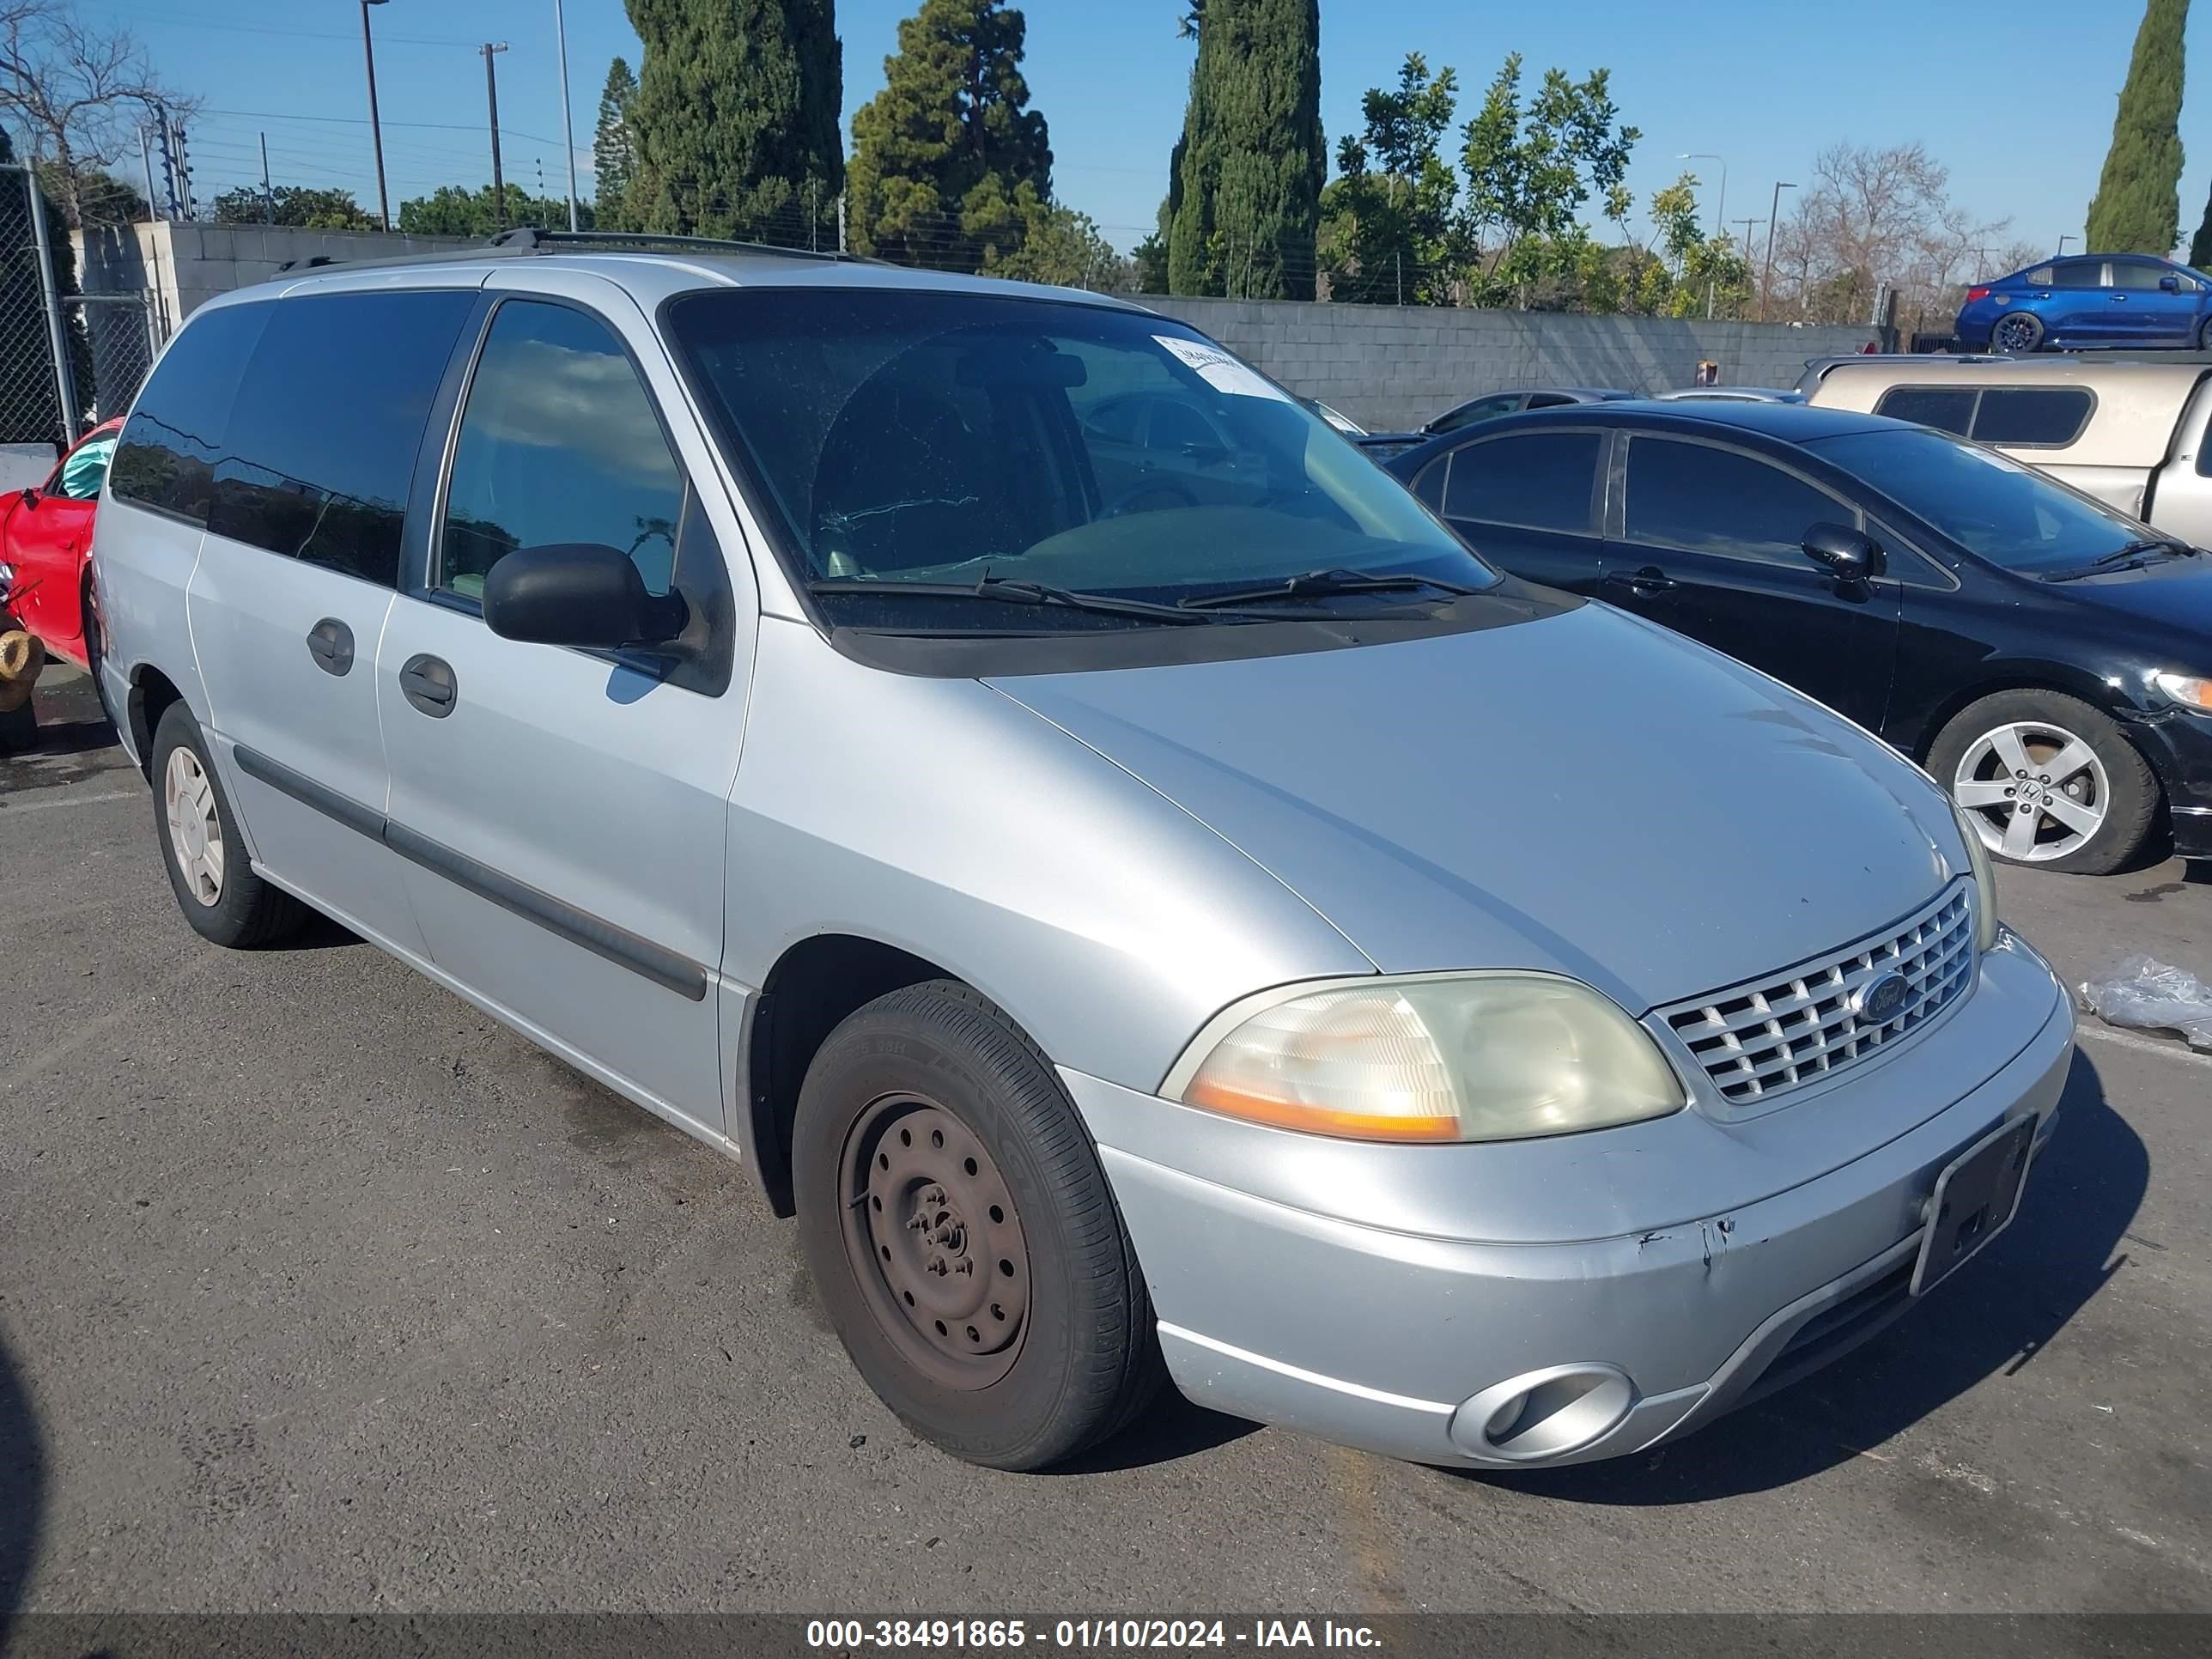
column 45, row 537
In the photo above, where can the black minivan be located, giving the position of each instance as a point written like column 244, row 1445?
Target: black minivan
column 2047, row 658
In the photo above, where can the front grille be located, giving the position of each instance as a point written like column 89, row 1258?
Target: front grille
column 1760, row 1040
column 1835, row 1331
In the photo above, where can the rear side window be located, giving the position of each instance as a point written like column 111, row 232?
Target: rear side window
column 2039, row 277
column 323, row 437
column 1539, row 480
column 1718, row 500
column 2079, row 273
column 1947, row 409
column 166, row 460
column 1482, row 408
column 2050, row 416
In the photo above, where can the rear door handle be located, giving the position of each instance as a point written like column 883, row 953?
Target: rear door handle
column 1647, row 583
column 329, row 642
column 427, row 683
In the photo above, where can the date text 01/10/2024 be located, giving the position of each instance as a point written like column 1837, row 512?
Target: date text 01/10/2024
column 1081, row 1635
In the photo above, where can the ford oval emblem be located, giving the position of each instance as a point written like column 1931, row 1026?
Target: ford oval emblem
column 1882, row 999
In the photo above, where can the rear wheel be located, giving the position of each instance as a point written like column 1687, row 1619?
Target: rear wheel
column 960, row 1230
column 202, row 849
column 95, row 644
column 2016, row 331
column 2048, row 780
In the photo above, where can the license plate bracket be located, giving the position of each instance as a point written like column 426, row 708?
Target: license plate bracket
column 1975, row 1199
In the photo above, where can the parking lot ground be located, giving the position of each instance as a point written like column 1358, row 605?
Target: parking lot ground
column 319, row 1290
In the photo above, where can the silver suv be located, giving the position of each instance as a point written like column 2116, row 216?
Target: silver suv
column 1192, row 921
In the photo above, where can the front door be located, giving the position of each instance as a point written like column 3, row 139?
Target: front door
column 1528, row 501
column 1709, row 543
column 44, row 537
column 296, row 576
column 562, row 812
column 2147, row 314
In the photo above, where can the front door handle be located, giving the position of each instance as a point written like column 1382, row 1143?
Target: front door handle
column 1647, row 583
column 329, row 642
column 427, row 683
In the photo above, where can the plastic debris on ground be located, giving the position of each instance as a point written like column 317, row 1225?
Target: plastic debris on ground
column 2152, row 996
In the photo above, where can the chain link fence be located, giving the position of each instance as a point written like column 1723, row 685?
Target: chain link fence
column 108, row 340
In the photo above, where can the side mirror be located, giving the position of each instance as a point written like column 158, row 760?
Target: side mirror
column 31, row 496
column 579, row 593
column 1844, row 552
column 2170, row 282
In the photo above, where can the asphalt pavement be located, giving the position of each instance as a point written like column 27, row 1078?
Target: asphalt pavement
column 319, row 1289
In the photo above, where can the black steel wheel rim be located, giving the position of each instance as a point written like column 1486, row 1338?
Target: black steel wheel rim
column 934, row 1240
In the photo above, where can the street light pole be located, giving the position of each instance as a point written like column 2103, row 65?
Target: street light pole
column 1773, row 218
column 376, row 127
column 1720, row 206
column 491, row 92
column 2062, row 247
column 567, row 131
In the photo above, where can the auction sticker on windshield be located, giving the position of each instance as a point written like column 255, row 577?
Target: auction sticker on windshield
column 1219, row 370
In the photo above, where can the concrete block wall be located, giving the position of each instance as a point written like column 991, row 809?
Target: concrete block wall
column 1391, row 368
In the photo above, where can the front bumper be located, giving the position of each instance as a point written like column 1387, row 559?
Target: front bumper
column 2179, row 746
column 1284, row 1293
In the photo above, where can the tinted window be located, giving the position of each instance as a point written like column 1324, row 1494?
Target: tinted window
column 82, row 473
column 2032, row 415
column 2139, row 279
column 2079, row 273
column 1718, row 500
column 559, row 443
column 1990, row 504
column 1429, row 486
column 167, row 458
column 1540, row 479
column 898, row 438
column 323, row 437
column 1480, row 409
column 1947, row 409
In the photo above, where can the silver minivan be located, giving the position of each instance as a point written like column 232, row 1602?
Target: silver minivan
column 1191, row 921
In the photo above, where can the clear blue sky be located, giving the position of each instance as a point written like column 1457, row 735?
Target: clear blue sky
column 2017, row 99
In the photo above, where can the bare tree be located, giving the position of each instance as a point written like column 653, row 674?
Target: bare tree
column 78, row 87
column 1871, row 217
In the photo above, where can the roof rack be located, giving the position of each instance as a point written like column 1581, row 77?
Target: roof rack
column 526, row 240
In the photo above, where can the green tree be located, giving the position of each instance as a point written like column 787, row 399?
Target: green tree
column 2137, row 207
column 735, row 121
column 101, row 198
column 457, row 211
column 291, row 204
column 2200, row 246
column 1063, row 247
column 1530, row 168
column 1247, row 200
column 1388, row 230
column 951, row 166
column 613, row 150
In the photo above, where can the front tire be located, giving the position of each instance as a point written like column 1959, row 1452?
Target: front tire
column 2048, row 780
column 202, row 850
column 2204, row 335
column 2016, row 333
column 962, row 1236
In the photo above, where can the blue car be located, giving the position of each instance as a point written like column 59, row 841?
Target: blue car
column 2091, row 300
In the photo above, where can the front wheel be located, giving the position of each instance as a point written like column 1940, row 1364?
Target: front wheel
column 2204, row 335
column 2048, row 780
column 2016, row 332
column 961, row 1233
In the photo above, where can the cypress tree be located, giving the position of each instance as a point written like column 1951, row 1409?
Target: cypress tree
column 1254, row 159
column 614, row 152
column 949, row 164
column 2200, row 246
column 734, row 125
column 2137, row 207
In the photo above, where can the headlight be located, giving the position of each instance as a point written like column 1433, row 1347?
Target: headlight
column 2185, row 688
column 1986, row 884
column 1432, row 1058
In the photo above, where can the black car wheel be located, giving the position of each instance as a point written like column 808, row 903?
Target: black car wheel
column 2204, row 335
column 960, row 1230
column 2016, row 331
column 2048, row 780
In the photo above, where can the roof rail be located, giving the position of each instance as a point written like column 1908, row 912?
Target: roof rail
column 530, row 236
column 525, row 240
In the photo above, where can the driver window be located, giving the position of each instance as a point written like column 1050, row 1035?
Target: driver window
column 559, row 443
column 85, row 470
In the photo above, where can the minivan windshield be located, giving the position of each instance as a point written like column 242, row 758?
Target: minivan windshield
column 1990, row 504
column 917, row 445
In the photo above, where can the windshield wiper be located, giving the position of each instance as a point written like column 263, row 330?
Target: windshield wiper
column 1316, row 584
column 1010, row 590
column 2133, row 551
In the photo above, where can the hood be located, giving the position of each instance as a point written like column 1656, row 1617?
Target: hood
column 2175, row 594
column 1586, row 794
